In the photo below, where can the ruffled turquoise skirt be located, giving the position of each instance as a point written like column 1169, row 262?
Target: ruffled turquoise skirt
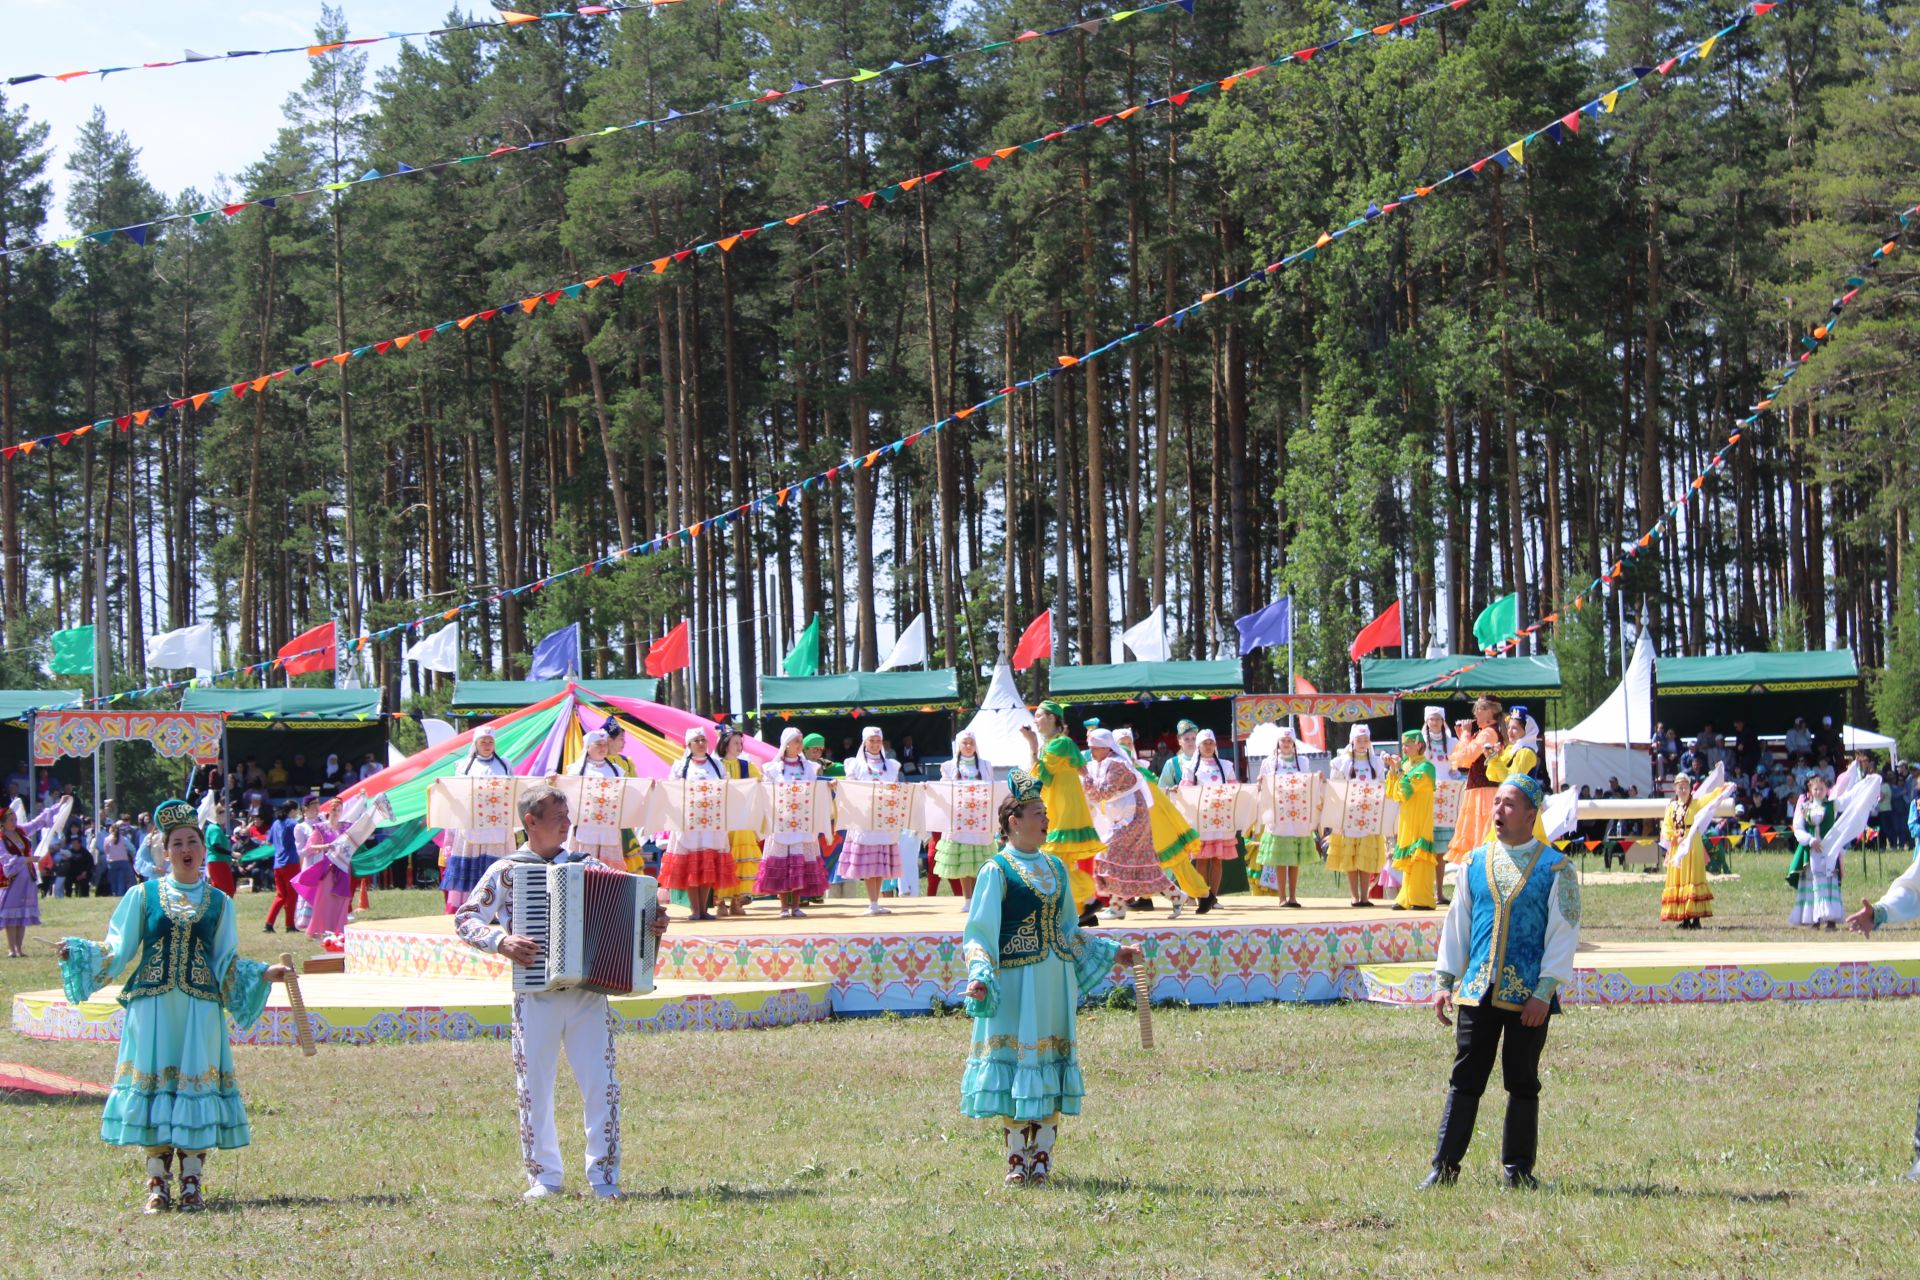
column 1022, row 1065
column 174, row 1085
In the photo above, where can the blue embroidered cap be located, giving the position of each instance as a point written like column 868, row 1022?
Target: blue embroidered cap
column 1529, row 787
column 174, row 813
column 1023, row 786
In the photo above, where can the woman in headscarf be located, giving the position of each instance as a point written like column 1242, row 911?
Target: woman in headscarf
column 470, row 853
column 1471, row 755
column 955, row 860
column 1360, row 856
column 1686, row 898
column 1217, row 847
column 745, row 845
column 174, row 1092
column 598, row 839
column 1180, row 764
column 1437, row 742
column 871, row 856
column 19, row 900
column 1071, row 836
column 1173, row 838
column 1410, row 781
column 700, row 862
column 791, row 867
column 1128, row 867
column 1287, row 845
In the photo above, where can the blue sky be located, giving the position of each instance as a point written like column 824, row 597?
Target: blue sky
column 192, row 124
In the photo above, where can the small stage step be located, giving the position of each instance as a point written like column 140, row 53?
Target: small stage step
column 359, row 1009
column 1699, row 972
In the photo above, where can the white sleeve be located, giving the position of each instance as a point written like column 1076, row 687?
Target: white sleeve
column 1563, row 934
column 1455, row 935
column 1901, row 901
column 1800, row 832
column 485, row 918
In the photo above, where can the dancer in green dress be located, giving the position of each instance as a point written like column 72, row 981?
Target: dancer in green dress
column 174, row 1091
column 1027, row 964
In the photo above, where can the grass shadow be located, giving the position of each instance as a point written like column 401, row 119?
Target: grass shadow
column 1655, row 1191
column 250, row 1204
column 725, row 1194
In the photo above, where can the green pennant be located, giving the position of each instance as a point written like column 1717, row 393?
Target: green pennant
column 72, row 652
column 1497, row 621
column 805, row 658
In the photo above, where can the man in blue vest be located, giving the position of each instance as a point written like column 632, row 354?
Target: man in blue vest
column 1505, row 950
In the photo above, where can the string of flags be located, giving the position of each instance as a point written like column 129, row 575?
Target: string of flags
column 507, row 21
column 142, row 232
column 1605, row 104
column 882, row 196
column 1810, row 342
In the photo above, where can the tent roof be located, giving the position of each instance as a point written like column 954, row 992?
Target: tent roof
column 1627, row 714
column 1856, row 739
column 470, row 696
column 1118, row 681
column 864, row 690
column 296, row 708
column 15, row 703
column 1758, row 673
column 1537, row 677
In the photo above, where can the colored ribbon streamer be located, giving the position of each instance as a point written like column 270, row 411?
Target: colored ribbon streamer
column 509, row 21
column 142, row 232
column 1605, row 104
column 578, row 289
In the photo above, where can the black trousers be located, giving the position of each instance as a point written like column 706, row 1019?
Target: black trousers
column 1477, row 1037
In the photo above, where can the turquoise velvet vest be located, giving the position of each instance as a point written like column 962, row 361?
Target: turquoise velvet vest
column 175, row 956
column 1029, row 919
column 1509, row 927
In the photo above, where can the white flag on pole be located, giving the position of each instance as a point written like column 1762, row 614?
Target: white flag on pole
column 1148, row 637
column 910, row 648
column 439, row 651
column 187, row 647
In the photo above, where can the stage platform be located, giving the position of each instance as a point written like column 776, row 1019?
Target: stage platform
column 361, row 1009
column 1699, row 970
column 1246, row 951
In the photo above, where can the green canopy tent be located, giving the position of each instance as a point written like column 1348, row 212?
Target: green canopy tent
column 484, row 699
column 916, row 704
column 1531, row 682
column 1151, row 698
column 268, row 724
column 1767, row 690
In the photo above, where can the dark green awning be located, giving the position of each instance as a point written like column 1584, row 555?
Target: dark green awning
column 1120, row 681
column 1520, row 677
column 293, row 708
column 862, row 691
column 1757, row 673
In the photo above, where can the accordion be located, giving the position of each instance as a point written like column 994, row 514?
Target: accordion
column 594, row 927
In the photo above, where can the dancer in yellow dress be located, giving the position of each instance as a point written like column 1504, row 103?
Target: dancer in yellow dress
column 1411, row 780
column 1686, row 899
column 1517, row 759
column 1071, row 836
column 745, row 844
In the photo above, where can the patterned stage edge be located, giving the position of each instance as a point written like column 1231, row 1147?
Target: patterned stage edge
column 1743, row 983
column 46, row 1015
column 908, row 972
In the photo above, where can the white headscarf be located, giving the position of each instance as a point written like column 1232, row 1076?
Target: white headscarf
column 1102, row 738
column 1354, row 735
column 790, row 734
column 475, row 762
column 594, row 736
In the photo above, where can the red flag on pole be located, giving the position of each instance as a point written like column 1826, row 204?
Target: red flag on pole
column 324, row 638
column 1382, row 633
column 1313, row 729
column 1036, row 642
column 670, row 652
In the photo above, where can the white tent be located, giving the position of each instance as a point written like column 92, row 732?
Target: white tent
column 1868, row 740
column 996, row 726
column 1611, row 742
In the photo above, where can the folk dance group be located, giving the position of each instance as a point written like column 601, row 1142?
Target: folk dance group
column 1506, row 946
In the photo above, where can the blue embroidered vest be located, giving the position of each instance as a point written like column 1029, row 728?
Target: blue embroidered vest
column 1030, row 919
column 176, row 955
column 1509, row 932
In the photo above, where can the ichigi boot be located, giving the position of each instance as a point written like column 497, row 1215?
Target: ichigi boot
column 1040, row 1153
column 1519, row 1141
column 1456, row 1132
column 159, row 1173
column 1016, row 1155
column 191, row 1163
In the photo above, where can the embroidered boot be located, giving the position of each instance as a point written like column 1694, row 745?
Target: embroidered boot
column 159, row 1174
column 1040, row 1154
column 191, row 1163
column 1180, row 900
column 1016, row 1155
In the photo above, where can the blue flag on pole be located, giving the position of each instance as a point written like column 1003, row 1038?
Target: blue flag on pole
column 1272, row 625
column 557, row 656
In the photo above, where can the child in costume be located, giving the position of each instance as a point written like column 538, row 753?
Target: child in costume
column 1286, row 846
column 871, row 856
column 174, row 1091
column 955, row 860
column 1410, row 780
column 1027, row 964
column 744, row 844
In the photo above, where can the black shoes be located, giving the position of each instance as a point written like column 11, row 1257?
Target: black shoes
column 1440, row 1176
column 1089, row 918
column 1207, row 904
column 1515, row 1178
column 1140, row 904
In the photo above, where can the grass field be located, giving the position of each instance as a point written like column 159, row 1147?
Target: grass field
column 1267, row 1141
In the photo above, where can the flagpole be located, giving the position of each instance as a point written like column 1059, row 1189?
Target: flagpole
column 103, row 754
column 1292, row 688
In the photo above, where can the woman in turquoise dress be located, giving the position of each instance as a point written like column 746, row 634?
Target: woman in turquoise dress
column 173, row 1092
column 1027, row 963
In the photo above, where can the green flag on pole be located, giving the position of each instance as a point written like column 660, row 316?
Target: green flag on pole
column 805, row 658
column 1497, row 621
column 72, row 652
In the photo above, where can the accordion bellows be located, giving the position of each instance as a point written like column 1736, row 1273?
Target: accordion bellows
column 594, row 927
